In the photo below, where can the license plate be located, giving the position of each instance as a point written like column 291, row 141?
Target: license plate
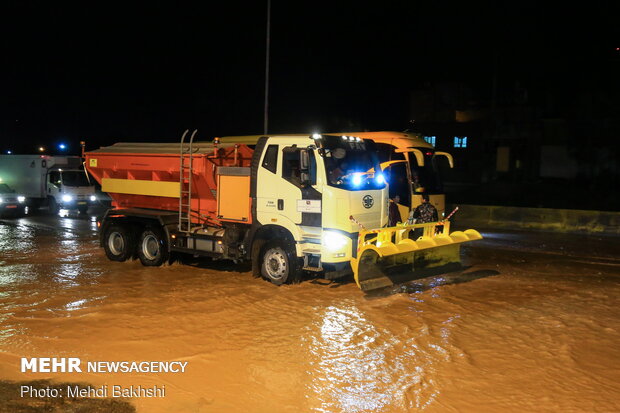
column 11, row 206
column 82, row 203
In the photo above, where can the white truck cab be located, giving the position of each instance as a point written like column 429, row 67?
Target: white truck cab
column 55, row 181
column 313, row 190
column 69, row 189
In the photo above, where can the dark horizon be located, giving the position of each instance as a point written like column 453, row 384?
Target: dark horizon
column 110, row 74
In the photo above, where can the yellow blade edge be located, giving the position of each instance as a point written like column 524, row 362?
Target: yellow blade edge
column 390, row 264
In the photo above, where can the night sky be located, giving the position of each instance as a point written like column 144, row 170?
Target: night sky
column 112, row 72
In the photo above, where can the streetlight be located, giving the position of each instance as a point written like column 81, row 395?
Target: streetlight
column 267, row 46
column 41, row 149
column 62, row 146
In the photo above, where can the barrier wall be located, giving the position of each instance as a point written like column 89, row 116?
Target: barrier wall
column 546, row 219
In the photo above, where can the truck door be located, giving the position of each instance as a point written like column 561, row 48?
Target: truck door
column 280, row 189
column 400, row 184
column 54, row 184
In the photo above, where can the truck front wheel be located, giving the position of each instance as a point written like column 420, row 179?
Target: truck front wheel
column 53, row 205
column 118, row 243
column 279, row 264
column 152, row 248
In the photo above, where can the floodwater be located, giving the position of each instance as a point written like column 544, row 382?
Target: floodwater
column 531, row 324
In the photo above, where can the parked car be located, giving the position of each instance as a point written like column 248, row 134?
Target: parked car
column 10, row 202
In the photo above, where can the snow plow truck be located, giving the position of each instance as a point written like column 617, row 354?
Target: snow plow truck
column 290, row 204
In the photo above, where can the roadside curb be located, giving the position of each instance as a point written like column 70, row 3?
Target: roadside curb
column 544, row 219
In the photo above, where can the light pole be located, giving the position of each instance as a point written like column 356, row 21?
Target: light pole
column 267, row 42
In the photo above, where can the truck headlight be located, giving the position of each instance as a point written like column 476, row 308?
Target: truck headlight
column 21, row 199
column 93, row 198
column 357, row 180
column 67, row 198
column 380, row 178
column 334, row 240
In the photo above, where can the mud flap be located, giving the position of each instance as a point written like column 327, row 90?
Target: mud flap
column 384, row 264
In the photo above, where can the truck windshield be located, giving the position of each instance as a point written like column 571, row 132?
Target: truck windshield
column 5, row 189
column 425, row 179
column 74, row 178
column 349, row 162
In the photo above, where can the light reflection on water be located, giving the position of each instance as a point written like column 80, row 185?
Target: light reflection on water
column 520, row 341
column 16, row 239
column 75, row 305
column 17, row 273
column 67, row 274
column 359, row 366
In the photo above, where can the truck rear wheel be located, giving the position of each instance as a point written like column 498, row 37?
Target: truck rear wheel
column 118, row 243
column 279, row 264
column 152, row 248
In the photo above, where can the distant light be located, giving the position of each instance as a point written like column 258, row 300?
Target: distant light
column 344, row 137
column 351, row 138
column 430, row 139
column 62, row 146
column 316, row 136
column 460, row 142
column 429, row 153
column 9, row 152
column 21, row 198
column 41, row 148
column 357, row 179
column 358, row 139
column 93, row 198
column 67, row 198
column 380, row 179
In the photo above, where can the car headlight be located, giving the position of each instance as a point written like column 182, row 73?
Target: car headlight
column 93, row 198
column 67, row 198
column 1, row 200
column 334, row 240
column 21, row 199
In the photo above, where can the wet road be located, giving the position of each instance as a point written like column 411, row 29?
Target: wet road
column 531, row 324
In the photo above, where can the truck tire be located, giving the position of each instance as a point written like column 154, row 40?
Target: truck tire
column 52, row 205
column 279, row 264
column 118, row 243
column 152, row 247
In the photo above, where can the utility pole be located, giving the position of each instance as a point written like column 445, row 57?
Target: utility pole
column 267, row 42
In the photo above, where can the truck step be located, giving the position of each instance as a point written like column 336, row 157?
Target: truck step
column 313, row 269
column 311, row 251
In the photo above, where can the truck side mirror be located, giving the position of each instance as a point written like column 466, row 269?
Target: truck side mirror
column 304, row 159
column 304, row 163
column 305, row 178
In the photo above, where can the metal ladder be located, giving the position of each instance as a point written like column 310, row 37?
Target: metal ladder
column 185, row 183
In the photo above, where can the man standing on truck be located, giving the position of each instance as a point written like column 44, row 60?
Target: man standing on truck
column 425, row 212
column 394, row 214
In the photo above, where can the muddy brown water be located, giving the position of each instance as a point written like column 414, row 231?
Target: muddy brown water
column 531, row 324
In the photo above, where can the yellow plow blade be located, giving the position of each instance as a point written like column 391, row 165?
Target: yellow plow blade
column 390, row 256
